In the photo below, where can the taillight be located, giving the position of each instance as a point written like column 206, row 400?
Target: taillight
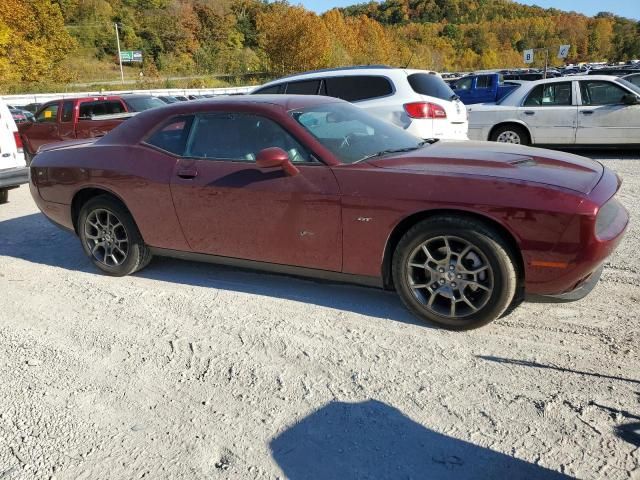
column 18, row 140
column 425, row 110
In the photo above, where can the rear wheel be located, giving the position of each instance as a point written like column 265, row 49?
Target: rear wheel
column 454, row 272
column 110, row 237
column 4, row 196
column 511, row 134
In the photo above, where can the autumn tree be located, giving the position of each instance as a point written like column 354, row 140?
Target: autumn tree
column 293, row 39
column 33, row 41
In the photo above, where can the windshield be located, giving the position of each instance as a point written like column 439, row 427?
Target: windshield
column 353, row 135
column 431, row 85
column 140, row 104
column 629, row 85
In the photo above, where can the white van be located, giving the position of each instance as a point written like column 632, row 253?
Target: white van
column 417, row 100
column 13, row 169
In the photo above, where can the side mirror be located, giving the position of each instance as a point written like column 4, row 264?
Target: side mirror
column 276, row 157
column 630, row 99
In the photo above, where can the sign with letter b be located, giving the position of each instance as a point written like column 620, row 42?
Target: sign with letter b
column 528, row 56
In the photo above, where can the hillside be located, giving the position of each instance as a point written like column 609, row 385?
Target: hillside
column 49, row 43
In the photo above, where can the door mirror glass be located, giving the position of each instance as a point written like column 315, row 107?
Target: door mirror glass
column 275, row 157
column 630, row 99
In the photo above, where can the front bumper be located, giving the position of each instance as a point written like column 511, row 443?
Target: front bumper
column 578, row 293
column 14, row 177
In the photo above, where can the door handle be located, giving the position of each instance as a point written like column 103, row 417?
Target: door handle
column 187, row 173
column 529, row 112
column 587, row 112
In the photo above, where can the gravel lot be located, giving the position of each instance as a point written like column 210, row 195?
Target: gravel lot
column 193, row 371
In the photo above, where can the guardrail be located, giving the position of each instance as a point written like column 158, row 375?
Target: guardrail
column 25, row 99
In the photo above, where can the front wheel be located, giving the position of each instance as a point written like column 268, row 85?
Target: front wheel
column 110, row 237
column 454, row 272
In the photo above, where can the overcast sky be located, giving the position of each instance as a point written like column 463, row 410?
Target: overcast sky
column 625, row 8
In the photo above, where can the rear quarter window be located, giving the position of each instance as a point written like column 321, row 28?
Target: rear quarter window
column 304, row 87
column 271, row 90
column 358, row 87
column 173, row 135
column 430, row 85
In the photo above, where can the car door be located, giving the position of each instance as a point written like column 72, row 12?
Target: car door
column 463, row 88
column 550, row 113
column 66, row 127
column 484, row 91
column 45, row 128
column 229, row 207
column 604, row 117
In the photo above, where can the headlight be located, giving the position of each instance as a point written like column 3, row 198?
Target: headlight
column 609, row 221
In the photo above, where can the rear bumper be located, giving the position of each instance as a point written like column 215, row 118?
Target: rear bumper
column 14, row 177
column 441, row 129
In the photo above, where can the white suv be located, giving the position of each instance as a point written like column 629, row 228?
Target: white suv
column 417, row 100
column 13, row 170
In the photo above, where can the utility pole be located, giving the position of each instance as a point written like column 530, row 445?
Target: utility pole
column 119, row 55
column 546, row 62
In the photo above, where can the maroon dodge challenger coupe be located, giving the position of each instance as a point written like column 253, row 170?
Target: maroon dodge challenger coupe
column 317, row 187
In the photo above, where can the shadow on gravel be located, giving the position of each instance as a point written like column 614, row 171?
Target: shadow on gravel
column 526, row 363
column 629, row 432
column 33, row 238
column 374, row 440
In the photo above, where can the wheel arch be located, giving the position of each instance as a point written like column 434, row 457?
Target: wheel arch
column 405, row 224
column 85, row 194
column 517, row 123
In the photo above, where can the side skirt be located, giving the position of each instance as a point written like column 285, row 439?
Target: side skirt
column 326, row 275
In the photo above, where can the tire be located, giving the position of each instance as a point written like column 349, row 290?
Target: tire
column 110, row 237
column 511, row 134
column 479, row 268
column 4, row 196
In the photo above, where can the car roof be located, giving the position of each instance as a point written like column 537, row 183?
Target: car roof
column 136, row 95
column 144, row 121
column 379, row 70
column 572, row 78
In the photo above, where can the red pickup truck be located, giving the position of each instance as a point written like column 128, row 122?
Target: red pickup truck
column 71, row 119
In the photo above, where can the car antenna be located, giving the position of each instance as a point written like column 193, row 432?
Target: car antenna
column 410, row 58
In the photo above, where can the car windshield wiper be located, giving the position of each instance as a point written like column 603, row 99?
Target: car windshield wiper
column 428, row 141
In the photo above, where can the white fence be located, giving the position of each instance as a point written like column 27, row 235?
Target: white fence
column 26, row 99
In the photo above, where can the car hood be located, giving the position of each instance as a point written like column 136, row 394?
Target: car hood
column 505, row 161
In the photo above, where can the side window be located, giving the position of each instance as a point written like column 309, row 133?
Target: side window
column 550, row 95
column 358, row 87
column 239, row 137
column 484, row 81
column 173, row 135
column 67, row 111
column 464, row 83
column 113, row 107
column 48, row 114
column 598, row 92
column 274, row 89
column 87, row 109
column 305, row 87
